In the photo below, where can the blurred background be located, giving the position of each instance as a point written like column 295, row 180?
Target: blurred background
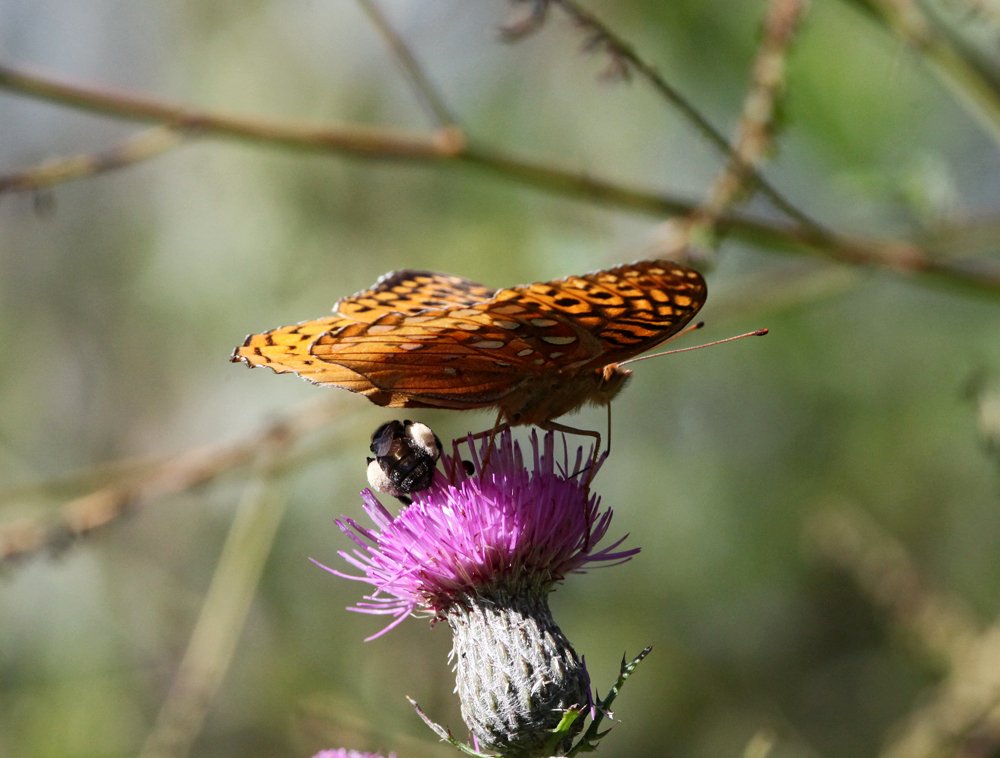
column 817, row 510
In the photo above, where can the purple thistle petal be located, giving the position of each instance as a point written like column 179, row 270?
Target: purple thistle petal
column 511, row 528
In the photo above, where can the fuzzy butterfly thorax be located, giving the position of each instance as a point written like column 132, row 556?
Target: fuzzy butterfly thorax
column 538, row 403
column 418, row 339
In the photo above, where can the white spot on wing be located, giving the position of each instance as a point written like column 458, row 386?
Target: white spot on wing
column 507, row 310
column 559, row 340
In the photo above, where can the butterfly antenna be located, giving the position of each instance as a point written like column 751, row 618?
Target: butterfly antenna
column 758, row 333
column 686, row 330
column 608, row 450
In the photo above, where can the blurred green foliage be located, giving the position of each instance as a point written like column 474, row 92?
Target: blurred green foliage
column 121, row 303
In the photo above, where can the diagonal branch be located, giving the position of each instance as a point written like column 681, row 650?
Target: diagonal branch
column 430, row 98
column 956, row 67
column 755, row 128
column 141, row 147
column 81, row 516
column 368, row 141
column 224, row 611
column 621, row 49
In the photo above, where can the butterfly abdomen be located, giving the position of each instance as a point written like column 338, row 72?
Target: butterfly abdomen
column 549, row 397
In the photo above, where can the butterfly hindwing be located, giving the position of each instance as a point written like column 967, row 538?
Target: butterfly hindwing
column 410, row 292
column 396, row 344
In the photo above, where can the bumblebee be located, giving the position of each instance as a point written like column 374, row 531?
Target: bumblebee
column 406, row 455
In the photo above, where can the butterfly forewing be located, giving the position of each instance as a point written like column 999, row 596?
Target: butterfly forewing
column 398, row 346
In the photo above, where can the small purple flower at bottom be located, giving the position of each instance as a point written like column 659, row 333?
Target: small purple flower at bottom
column 342, row 753
column 482, row 552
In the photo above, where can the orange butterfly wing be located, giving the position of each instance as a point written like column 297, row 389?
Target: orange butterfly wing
column 479, row 350
column 627, row 310
column 411, row 292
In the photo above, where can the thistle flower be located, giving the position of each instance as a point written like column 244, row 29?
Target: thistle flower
column 482, row 551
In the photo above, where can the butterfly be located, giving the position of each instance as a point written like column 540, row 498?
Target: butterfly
column 418, row 339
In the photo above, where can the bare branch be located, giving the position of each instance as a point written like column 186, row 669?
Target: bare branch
column 448, row 146
column 430, row 98
column 359, row 140
column 880, row 565
column 756, row 121
column 621, row 49
column 755, row 126
column 969, row 696
column 965, row 702
column 143, row 146
column 79, row 517
column 223, row 612
column 957, row 70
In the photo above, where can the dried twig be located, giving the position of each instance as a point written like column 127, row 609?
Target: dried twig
column 988, row 10
column 621, row 50
column 352, row 139
column 971, row 84
column 447, row 145
column 767, row 81
column 143, row 146
column 965, row 703
column 224, row 610
column 880, row 565
column 430, row 98
column 969, row 696
column 79, row 517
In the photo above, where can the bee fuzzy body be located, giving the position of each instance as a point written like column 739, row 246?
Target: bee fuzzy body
column 406, row 455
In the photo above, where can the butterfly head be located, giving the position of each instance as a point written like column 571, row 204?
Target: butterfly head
column 613, row 380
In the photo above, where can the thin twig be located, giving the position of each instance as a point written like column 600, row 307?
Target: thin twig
column 448, row 146
column 223, row 612
column 143, row 146
column 969, row 696
column 880, row 565
column 963, row 76
column 429, row 97
column 366, row 141
column 985, row 9
column 621, row 49
column 966, row 701
column 81, row 516
column 767, row 81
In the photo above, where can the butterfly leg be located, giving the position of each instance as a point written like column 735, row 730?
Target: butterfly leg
column 498, row 428
column 555, row 426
